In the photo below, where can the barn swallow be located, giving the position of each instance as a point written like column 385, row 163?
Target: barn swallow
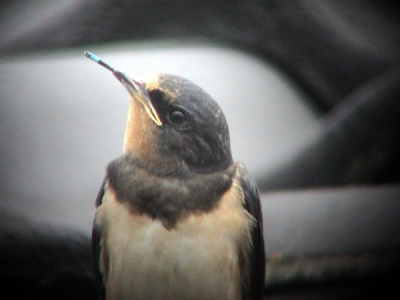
column 176, row 218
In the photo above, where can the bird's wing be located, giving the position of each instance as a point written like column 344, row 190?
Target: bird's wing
column 96, row 245
column 255, row 286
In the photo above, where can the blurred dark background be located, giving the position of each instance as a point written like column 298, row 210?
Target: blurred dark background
column 324, row 130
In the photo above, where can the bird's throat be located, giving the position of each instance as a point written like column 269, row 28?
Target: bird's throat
column 138, row 132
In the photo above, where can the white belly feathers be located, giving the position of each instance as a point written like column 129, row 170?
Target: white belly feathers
column 197, row 259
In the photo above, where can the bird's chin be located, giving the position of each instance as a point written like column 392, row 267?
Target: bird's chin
column 140, row 134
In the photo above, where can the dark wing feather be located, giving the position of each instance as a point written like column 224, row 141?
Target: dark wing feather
column 255, row 288
column 96, row 246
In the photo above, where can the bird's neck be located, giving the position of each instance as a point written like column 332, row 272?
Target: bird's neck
column 167, row 198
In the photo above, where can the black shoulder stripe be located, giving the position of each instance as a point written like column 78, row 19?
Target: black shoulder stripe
column 96, row 245
column 100, row 195
column 257, row 255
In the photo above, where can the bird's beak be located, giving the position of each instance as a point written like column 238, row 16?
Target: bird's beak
column 137, row 90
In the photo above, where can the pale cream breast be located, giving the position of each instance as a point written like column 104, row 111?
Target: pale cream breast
column 197, row 259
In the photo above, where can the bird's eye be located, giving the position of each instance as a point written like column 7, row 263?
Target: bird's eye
column 177, row 117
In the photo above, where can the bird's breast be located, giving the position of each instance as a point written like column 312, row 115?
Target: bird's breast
column 197, row 259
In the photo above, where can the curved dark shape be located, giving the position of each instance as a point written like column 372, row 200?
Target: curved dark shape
column 332, row 48
column 360, row 143
column 345, row 54
column 40, row 261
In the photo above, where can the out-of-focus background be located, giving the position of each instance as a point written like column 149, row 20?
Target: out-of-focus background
column 311, row 93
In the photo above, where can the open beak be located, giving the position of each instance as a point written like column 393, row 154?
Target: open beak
column 137, row 90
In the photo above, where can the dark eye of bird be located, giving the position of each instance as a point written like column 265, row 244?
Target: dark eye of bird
column 177, row 117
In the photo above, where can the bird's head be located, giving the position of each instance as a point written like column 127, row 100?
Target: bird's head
column 174, row 126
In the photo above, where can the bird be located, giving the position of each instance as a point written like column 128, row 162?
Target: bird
column 176, row 217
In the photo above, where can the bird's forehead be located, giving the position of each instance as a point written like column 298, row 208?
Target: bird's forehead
column 152, row 81
column 183, row 92
column 158, row 82
column 180, row 90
